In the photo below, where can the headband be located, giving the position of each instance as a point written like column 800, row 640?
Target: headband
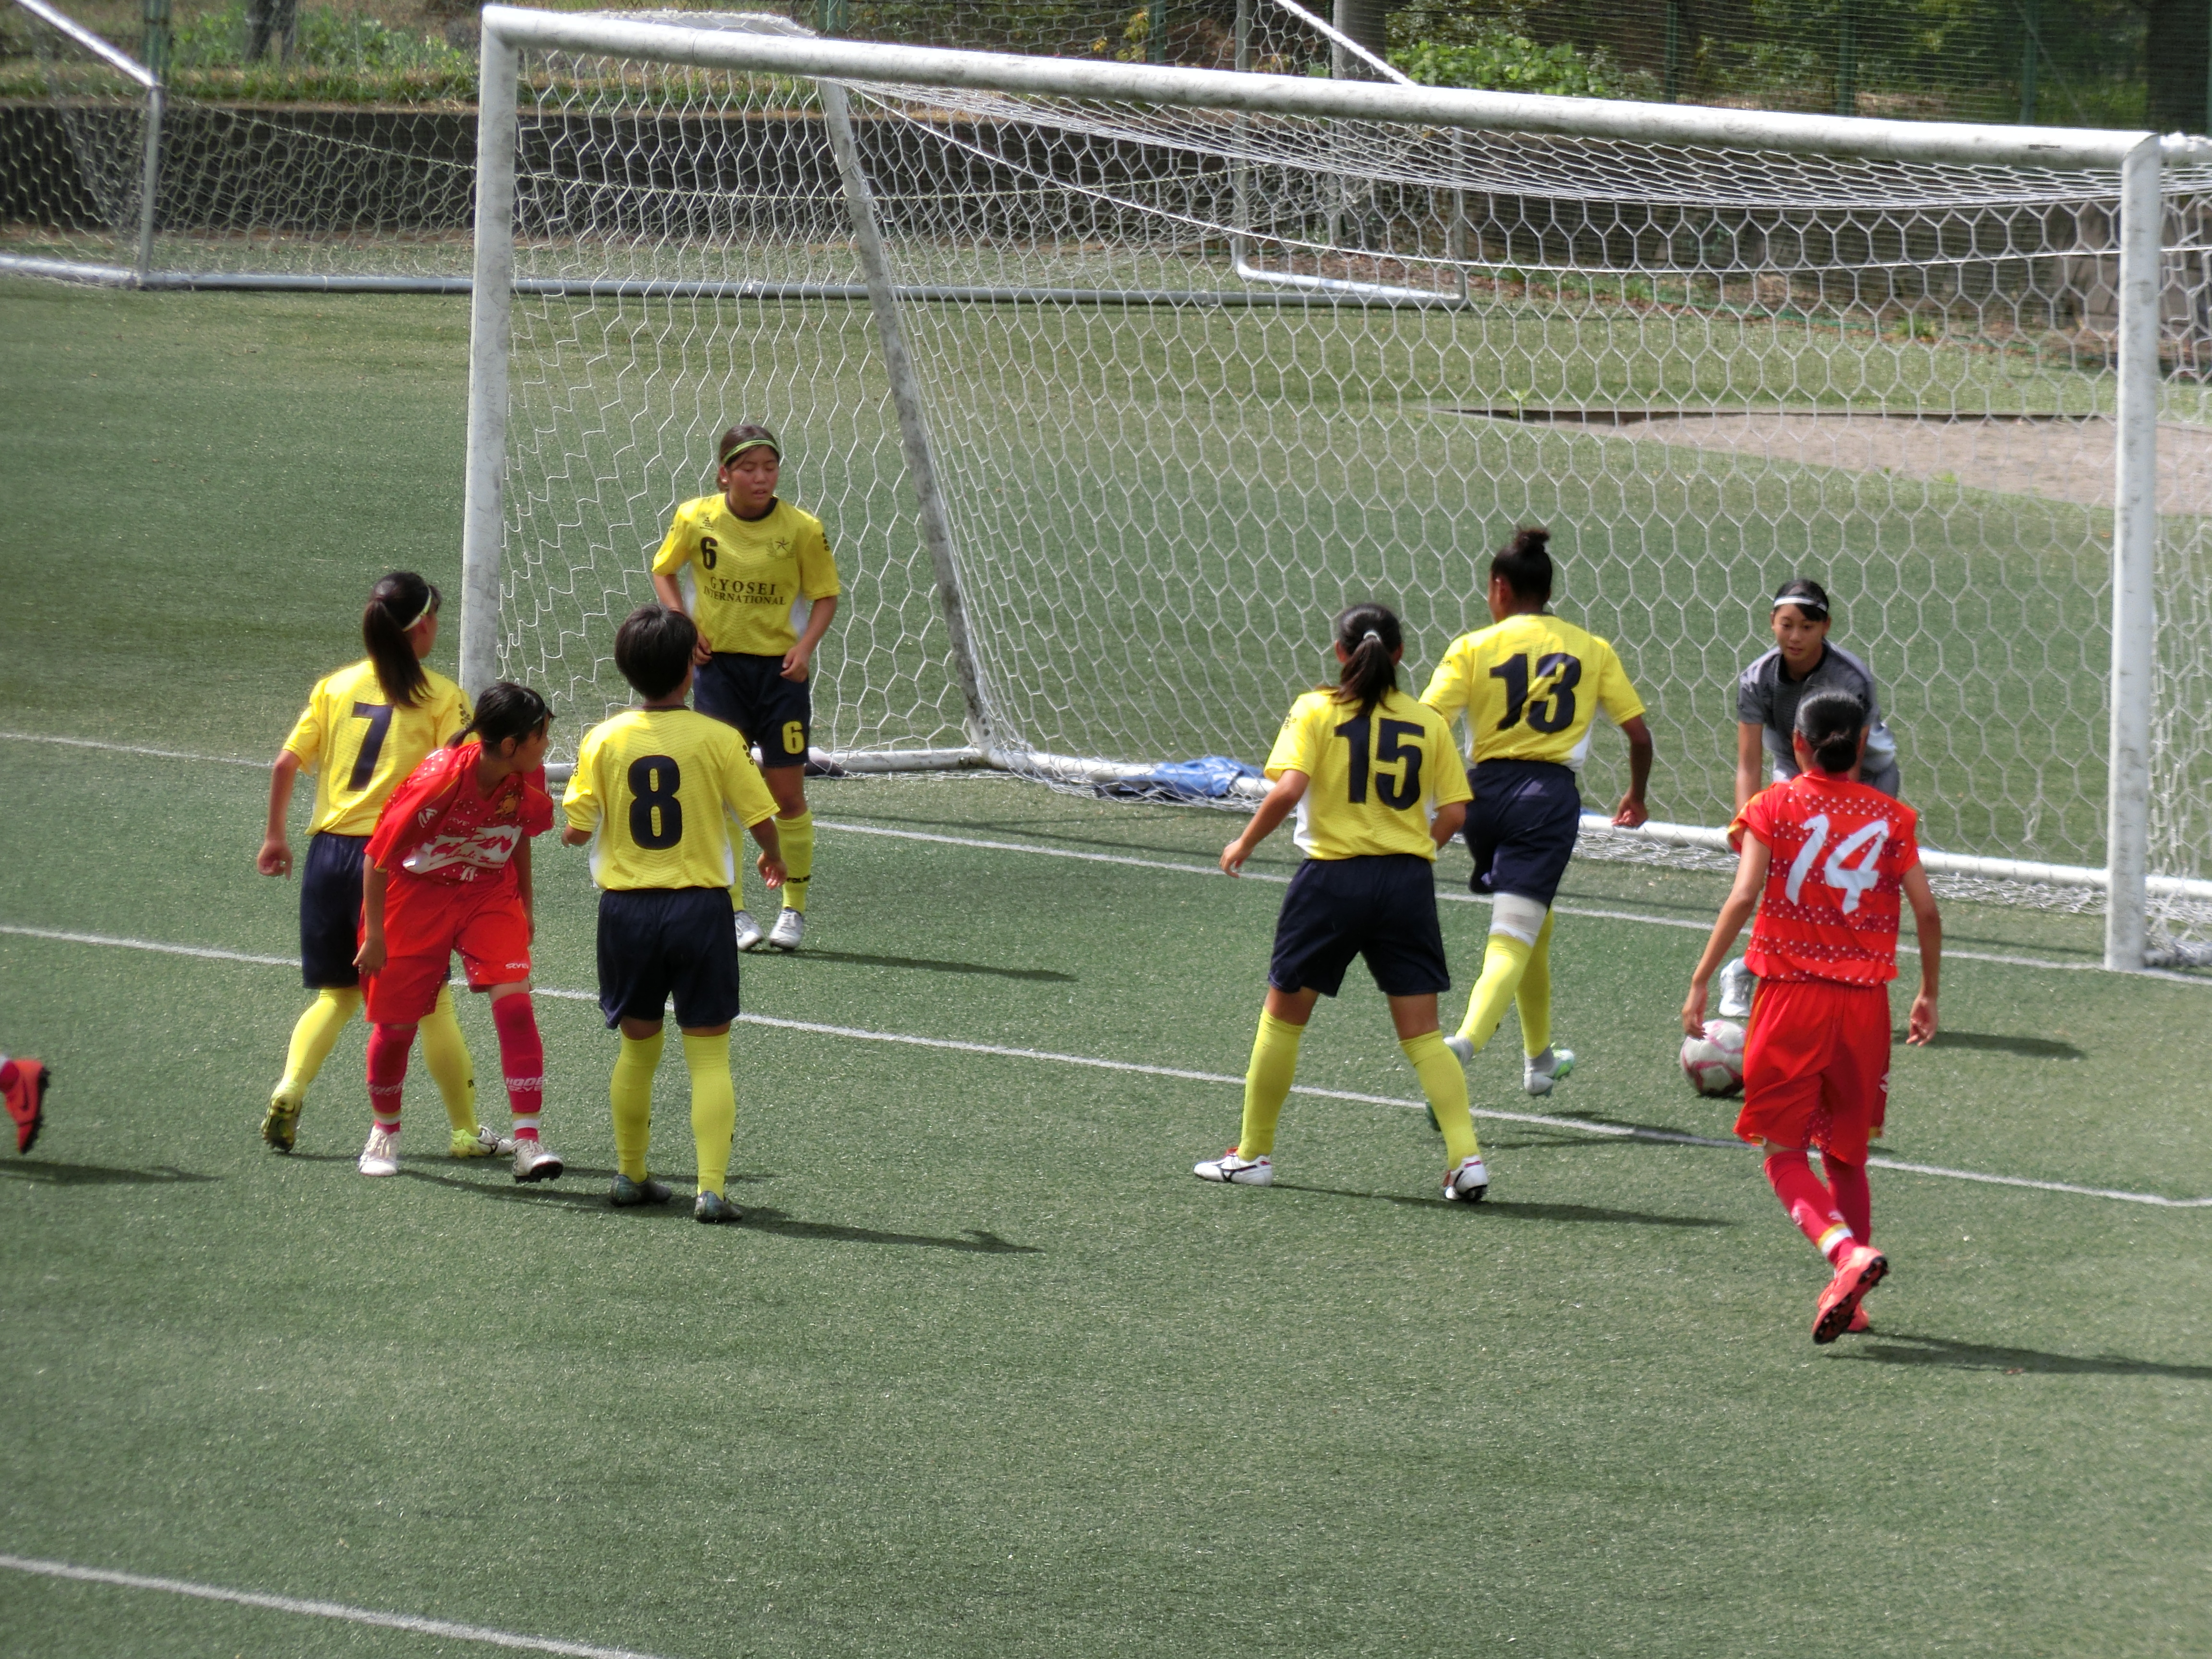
column 743, row 444
column 430, row 608
column 1814, row 609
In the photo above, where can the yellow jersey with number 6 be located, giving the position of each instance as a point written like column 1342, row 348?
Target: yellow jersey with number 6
column 1529, row 687
column 659, row 786
column 1374, row 777
column 749, row 573
column 362, row 747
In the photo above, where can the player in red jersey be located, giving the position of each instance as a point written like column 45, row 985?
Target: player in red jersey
column 448, row 869
column 1824, row 860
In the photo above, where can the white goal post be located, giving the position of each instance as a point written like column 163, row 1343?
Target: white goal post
column 1198, row 250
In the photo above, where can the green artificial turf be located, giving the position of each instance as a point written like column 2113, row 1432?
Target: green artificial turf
column 986, row 1372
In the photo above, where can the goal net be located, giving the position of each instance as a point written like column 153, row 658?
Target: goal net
column 1191, row 379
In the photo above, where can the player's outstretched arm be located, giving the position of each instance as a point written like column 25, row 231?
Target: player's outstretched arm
column 1928, row 923
column 1742, row 899
column 1290, row 789
column 275, row 858
column 1750, row 751
column 1632, row 813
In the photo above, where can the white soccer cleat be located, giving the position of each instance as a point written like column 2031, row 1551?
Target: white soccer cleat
column 790, row 928
column 381, row 1155
column 1460, row 1046
column 1538, row 1073
column 1469, row 1184
column 535, row 1161
column 1235, row 1170
column 1737, row 983
column 749, row 937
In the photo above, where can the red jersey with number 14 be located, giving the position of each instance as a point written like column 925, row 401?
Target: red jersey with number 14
column 439, row 826
column 1838, row 851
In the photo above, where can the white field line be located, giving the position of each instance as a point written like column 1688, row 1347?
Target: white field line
column 1446, row 894
column 406, row 1621
column 860, row 1034
column 1449, row 896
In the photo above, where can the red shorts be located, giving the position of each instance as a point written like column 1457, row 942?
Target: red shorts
column 1816, row 1066
column 424, row 923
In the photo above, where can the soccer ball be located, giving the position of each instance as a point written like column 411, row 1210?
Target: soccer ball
column 1714, row 1062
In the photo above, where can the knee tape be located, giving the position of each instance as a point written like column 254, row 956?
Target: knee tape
column 1517, row 917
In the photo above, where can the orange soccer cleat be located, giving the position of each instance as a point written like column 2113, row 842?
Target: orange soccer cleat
column 1860, row 1271
column 24, row 1083
column 1860, row 1323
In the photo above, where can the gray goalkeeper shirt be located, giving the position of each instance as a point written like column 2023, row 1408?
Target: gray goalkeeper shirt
column 1767, row 696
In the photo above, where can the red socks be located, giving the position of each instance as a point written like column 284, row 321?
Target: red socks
column 1853, row 1201
column 522, row 1058
column 1810, row 1204
column 387, row 1072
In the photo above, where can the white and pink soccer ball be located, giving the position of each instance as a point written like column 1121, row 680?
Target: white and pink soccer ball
column 1714, row 1062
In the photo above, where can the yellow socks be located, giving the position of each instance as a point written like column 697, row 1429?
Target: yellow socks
column 713, row 1107
column 313, row 1037
column 1533, row 1001
column 1268, row 1083
column 447, row 1054
column 797, row 836
column 1504, row 963
column 1445, row 1085
column 630, row 1094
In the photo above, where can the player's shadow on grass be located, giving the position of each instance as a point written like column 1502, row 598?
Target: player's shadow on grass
column 1521, row 1212
column 99, row 1175
column 2032, row 1048
column 974, row 1240
column 932, row 965
column 1879, row 1350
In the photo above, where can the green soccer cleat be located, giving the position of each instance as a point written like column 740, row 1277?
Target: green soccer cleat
column 713, row 1208
column 478, row 1142
column 623, row 1192
column 281, row 1126
column 1539, row 1072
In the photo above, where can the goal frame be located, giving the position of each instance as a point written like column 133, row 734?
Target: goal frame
column 2138, row 158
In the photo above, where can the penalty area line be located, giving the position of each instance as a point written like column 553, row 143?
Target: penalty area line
column 1096, row 1063
column 407, row 1621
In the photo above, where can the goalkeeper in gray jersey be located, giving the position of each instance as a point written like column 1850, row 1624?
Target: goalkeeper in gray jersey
column 1766, row 698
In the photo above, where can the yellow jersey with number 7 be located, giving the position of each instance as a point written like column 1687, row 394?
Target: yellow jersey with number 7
column 1374, row 778
column 362, row 746
column 1529, row 687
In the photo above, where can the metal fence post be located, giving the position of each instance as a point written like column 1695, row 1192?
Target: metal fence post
column 483, row 521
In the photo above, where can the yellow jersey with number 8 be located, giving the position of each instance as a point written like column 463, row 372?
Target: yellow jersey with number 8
column 659, row 786
column 1530, row 687
column 1374, row 777
column 362, row 747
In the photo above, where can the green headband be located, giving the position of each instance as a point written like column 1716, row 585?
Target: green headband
column 742, row 445
column 430, row 608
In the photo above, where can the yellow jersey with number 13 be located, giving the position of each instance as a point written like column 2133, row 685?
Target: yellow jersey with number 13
column 362, row 747
column 1530, row 686
column 1373, row 776
column 659, row 786
column 749, row 573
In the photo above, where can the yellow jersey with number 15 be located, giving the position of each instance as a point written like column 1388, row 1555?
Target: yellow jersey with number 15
column 1530, row 687
column 749, row 573
column 659, row 786
column 362, row 747
column 1373, row 776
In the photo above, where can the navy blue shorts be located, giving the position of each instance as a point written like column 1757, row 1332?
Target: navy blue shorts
column 1381, row 907
column 751, row 693
column 1521, row 827
column 330, row 912
column 659, row 942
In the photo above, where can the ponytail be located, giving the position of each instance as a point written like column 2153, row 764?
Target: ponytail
column 1829, row 722
column 1371, row 637
column 506, row 710
column 396, row 604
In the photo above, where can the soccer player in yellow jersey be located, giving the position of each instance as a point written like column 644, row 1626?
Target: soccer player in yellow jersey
column 1364, row 765
column 1529, row 685
column 753, row 557
column 655, row 784
column 365, row 728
